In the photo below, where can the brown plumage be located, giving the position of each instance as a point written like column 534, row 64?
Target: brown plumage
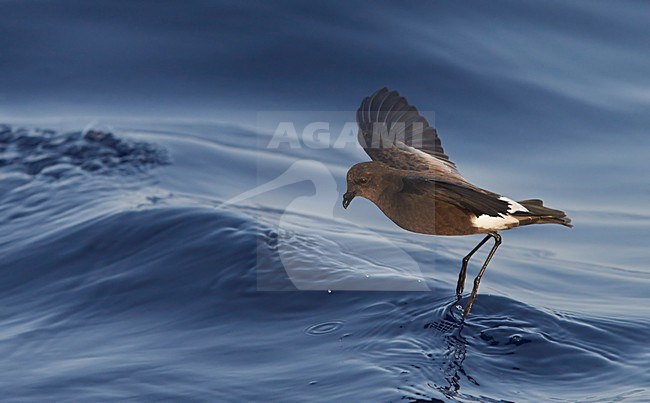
column 414, row 183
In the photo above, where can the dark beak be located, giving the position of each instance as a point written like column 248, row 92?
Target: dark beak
column 347, row 198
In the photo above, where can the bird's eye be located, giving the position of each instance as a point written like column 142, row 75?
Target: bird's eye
column 362, row 181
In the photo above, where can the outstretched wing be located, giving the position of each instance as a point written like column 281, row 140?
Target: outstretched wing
column 393, row 132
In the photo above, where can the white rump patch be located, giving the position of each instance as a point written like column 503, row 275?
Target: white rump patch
column 491, row 223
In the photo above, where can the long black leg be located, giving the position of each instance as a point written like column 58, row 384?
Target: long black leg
column 463, row 270
column 477, row 280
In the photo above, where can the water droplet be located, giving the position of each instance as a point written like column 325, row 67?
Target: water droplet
column 329, row 291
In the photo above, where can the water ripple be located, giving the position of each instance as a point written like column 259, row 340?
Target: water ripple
column 324, row 328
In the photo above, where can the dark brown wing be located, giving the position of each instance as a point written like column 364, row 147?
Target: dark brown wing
column 393, row 132
column 472, row 200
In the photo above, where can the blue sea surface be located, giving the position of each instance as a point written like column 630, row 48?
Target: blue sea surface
column 155, row 246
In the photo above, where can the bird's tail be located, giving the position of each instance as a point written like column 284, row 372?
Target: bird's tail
column 542, row 214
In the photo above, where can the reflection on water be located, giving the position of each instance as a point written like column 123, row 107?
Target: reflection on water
column 454, row 356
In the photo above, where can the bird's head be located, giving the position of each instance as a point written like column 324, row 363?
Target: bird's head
column 367, row 179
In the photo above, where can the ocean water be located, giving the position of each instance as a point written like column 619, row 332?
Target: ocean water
column 157, row 246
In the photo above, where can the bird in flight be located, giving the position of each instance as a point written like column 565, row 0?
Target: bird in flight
column 415, row 184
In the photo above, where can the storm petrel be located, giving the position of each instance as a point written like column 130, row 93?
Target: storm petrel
column 415, row 184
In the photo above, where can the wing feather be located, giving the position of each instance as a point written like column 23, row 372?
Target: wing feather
column 394, row 132
column 470, row 199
